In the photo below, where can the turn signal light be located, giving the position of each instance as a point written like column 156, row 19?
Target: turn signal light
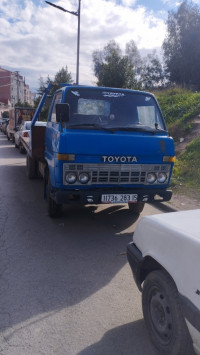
column 68, row 157
column 169, row 159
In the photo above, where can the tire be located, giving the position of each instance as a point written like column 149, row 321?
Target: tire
column 54, row 209
column 31, row 167
column 163, row 316
column 21, row 149
column 136, row 208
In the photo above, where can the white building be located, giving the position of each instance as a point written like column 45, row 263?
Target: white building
column 13, row 88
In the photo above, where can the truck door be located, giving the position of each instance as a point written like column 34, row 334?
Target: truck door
column 52, row 130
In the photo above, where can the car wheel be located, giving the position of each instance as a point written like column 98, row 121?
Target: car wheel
column 163, row 316
column 21, row 149
column 54, row 209
column 136, row 208
column 31, row 167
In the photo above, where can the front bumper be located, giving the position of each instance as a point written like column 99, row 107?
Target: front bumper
column 93, row 196
column 135, row 260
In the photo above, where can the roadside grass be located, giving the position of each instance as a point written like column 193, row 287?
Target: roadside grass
column 187, row 167
column 179, row 107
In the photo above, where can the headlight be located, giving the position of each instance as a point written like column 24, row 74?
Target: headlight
column 151, row 178
column 162, row 177
column 84, row 178
column 70, row 178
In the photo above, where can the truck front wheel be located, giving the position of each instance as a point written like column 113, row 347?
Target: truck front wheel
column 136, row 208
column 54, row 209
column 163, row 317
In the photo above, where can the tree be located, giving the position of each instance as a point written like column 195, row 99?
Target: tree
column 152, row 72
column 182, row 45
column 5, row 114
column 112, row 69
column 134, row 56
column 61, row 77
column 22, row 104
column 43, row 83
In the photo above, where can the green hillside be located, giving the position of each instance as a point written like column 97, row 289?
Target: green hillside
column 180, row 108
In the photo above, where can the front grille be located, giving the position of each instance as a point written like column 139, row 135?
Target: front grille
column 114, row 173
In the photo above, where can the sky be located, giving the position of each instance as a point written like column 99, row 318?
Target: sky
column 38, row 40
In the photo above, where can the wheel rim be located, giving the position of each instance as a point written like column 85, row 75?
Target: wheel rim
column 160, row 314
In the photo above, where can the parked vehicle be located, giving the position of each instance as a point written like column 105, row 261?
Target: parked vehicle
column 8, row 132
column 4, row 125
column 101, row 145
column 23, row 131
column 1, row 122
column 165, row 260
column 17, row 115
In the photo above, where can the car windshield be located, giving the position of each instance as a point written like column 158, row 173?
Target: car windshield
column 115, row 109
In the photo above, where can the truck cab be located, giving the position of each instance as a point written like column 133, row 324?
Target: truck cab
column 105, row 145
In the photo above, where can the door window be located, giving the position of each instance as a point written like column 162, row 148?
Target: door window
column 56, row 101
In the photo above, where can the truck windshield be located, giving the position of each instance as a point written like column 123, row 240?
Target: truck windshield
column 115, row 109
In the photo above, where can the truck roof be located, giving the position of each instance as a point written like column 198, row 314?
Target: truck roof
column 69, row 86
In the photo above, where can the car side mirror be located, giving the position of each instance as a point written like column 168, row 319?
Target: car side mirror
column 62, row 113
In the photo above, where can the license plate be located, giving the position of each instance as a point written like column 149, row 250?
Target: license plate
column 119, row 198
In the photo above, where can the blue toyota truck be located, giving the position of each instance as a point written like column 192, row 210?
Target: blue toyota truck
column 101, row 146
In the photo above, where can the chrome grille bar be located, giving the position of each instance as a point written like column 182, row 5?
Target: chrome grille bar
column 115, row 173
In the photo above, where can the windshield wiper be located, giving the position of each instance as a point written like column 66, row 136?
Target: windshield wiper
column 92, row 125
column 138, row 129
column 160, row 130
column 112, row 129
column 134, row 129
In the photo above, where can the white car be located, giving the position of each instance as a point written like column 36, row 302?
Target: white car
column 165, row 260
column 23, row 131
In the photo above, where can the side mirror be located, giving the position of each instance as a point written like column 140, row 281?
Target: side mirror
column 62, row 113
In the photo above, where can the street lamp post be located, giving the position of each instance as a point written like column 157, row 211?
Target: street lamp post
column 78, row 14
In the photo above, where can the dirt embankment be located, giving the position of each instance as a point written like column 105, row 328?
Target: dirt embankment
column 182, row 198
column 182, row 139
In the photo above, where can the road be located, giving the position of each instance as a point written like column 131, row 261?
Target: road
column 65, row 285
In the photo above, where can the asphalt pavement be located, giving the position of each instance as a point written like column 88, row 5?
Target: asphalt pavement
column 66, row 287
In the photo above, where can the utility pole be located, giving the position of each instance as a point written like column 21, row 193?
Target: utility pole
column 78, row 14
column 78, row 43
column 17, row 86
